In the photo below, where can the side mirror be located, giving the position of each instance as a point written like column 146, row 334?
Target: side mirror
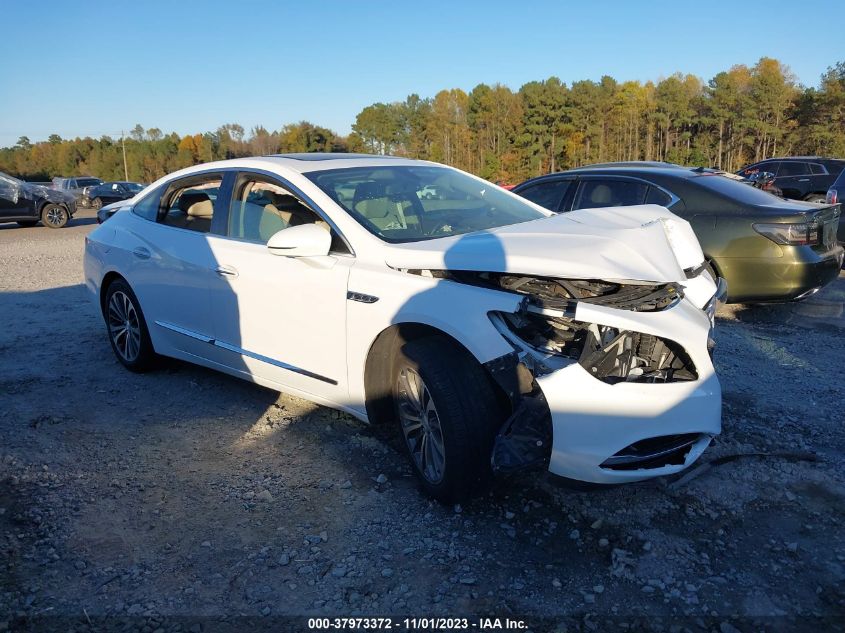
column 305, row 240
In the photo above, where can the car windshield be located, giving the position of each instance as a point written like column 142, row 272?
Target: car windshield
column 415, row 203
column 736, row 190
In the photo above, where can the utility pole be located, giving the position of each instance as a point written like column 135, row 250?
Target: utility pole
column 125, row 170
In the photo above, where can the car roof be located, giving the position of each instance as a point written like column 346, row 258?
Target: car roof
column 633, row 163
column 304, row 163
column 815, row 158
column 625, row 170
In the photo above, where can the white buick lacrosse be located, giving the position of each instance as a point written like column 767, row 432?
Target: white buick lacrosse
column 495, row 335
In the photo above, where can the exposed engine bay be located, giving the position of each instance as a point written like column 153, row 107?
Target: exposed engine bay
column 609, row 354
column 547, row 325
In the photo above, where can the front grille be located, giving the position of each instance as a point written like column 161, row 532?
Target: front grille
column 654, row 452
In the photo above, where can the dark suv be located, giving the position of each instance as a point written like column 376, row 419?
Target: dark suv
column 800, row 177
column 28, row 203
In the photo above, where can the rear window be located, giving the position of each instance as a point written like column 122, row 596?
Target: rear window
column 88, row 182
column 736, row 190
column 788, row 168
column 840, row 180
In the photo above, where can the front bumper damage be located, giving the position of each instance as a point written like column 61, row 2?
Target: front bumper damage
column 616, row 395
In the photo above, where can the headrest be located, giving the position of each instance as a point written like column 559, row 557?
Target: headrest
column 201, row 209
column 370, row 190
column 601, row 195
column 187, row 200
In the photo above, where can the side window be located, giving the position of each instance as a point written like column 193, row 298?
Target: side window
column 817, row 170
column 192, row 206
column 610, row 193
column 789, row 168
column 260, row 209
column 658, row 196
column 148, row 207
column 547, row 194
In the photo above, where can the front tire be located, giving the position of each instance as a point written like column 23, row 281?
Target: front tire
column 96, row 204
column 127, row 328
column 54, row 216
column 448, row 415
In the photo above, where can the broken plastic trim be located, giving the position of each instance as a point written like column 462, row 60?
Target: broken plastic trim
column 654, row 452
column 524, row 441
column 564, row 294
column 607, row 353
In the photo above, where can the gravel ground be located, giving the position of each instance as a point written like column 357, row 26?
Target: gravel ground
column 179, row 498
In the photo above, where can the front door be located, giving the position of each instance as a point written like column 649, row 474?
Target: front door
column 280, row 318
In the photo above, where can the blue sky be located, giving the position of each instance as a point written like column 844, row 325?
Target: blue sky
column 96, row 67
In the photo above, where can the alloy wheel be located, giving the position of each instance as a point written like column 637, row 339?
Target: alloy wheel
column 421, row 425
column 124, row 326
column 56, row 216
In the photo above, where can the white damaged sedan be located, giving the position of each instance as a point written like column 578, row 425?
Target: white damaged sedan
column 496, row 335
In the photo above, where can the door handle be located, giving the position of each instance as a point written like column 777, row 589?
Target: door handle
column 226, row 270
column 141, row 253
column 803, row 180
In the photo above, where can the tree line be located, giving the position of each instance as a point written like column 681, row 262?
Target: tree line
column 739, row 116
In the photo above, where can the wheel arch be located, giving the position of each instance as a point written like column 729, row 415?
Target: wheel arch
column 109, row 277
column 379, row 367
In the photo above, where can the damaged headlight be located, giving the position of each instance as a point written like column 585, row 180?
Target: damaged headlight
column 607, row 353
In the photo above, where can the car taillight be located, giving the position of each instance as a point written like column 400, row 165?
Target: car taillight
column 832, row 196
column 800, row 234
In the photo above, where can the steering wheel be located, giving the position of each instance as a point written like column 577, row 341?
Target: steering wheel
column 440, row 226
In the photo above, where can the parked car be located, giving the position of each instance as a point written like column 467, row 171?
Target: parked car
column 766, row 248
column 109, row 192
column 496, row 335
column 836, row 195
column 800, row 177
column 78, row 186
column 108, row 210
column 27, row 204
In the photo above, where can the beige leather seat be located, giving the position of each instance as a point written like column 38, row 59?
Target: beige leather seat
column 373, row 200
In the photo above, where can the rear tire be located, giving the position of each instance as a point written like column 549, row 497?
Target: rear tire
column 96, row 204
column 448, row 415
column 127, row 328
column 54, row 216
column 27, row 222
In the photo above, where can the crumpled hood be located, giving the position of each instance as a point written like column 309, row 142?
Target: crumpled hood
column 638, row 243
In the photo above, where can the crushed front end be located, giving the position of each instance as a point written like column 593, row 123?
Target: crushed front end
column 609, row 382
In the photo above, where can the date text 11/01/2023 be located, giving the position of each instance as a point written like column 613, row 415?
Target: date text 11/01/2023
column 418, row 624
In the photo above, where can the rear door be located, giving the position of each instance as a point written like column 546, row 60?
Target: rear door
column 173, row 263
column 609, row 191
column 793, row 178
